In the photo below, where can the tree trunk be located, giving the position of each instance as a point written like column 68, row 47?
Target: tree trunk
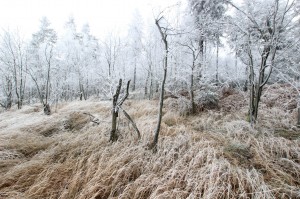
column 235, row 63
column 161, row 103
column 153, row 145
column 257, row 87
column 147, row 81
column 115, row 111
column 298, row 117
column 217, row 64
column 151, row 88
column 9, row 94
column 146, row 86
column 298, row 121
column 134, row 77
column 192, row 92
column 47, row 109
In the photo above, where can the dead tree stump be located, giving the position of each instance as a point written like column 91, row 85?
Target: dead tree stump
column 117, row 105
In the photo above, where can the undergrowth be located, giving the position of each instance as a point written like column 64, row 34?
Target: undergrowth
column 215, row 154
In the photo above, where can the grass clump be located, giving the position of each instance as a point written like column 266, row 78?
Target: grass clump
column 238, row 154
column 76, row 121
column 288, row 133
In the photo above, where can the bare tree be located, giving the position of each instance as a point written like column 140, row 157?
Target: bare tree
column 194, row 50
column 111, row 52
column 42, row 52
column 164, row 32
column 14, row 58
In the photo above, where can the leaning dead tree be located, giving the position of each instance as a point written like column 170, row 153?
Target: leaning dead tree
column 117, row 105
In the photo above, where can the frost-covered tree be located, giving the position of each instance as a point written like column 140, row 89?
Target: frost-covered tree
column 259, row 29
column 79, row 54
column 13, row 59
column 112, row 50
column 135, row 45
column 208, row 19
column 42, row 61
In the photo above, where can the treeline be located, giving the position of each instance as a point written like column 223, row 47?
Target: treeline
column 263, row 37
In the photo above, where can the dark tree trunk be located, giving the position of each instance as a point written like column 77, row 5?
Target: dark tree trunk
column 257, row 87
column 298, row 117
column 147, row 81
column 298, row 120
column 151, row 88
column 217, row 64
column 192, row 92
column 47, row 109
column 134, row 77
column 115, row 111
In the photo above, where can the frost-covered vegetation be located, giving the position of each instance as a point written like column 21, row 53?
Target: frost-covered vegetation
column 211, row 108
column 215, row 154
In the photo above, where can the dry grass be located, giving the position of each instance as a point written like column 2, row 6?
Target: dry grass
column 215, row 154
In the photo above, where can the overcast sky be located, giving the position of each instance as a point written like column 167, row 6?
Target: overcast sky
column 102, row 15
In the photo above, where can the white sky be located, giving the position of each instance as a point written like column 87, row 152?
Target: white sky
column 103, row 16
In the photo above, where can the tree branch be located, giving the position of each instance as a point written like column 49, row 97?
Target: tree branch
column 126, row 95
column 132, row 122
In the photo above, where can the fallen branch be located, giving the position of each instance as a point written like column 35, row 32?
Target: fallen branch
column 132, row 122
column 93, row 118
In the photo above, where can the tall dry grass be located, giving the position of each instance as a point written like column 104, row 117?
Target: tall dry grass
column 214, row 154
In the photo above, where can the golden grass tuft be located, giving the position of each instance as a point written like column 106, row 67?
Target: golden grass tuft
column 76, row 121
column 211, row 155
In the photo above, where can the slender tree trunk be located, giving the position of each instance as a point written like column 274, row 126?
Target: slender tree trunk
column 192, row 91
column 235, row 63
column 16, row 86
column 134, row 77
column 8, row 102
column 298, row 120
column 298, row 105
column 161, row 103
column 109, row 70
column 86, row 91
column 217, row 65
column 151, row 88
column 115, row 111
column 153, row 145
column 147, row 81
column 245, row 87
column 257, row 87
column 252, row 87
column 146, row 86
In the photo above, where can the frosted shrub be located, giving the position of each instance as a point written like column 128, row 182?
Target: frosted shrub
column 180, row 105
column 207, row 101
